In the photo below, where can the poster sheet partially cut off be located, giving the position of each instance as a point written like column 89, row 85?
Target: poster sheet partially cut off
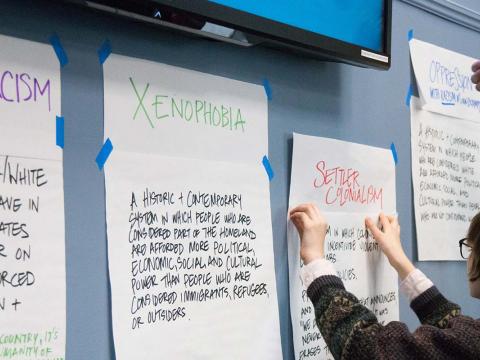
column 446, row 183
column 445, row 133
column 32, row 230
column 443, row 81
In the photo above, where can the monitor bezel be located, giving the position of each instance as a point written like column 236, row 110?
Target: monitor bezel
column 290, row 36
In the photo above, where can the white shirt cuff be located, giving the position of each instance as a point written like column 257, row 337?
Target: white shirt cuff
column 315, row 269
column 415, row 284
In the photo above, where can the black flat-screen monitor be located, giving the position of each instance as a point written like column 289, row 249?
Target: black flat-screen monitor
column 353, row 31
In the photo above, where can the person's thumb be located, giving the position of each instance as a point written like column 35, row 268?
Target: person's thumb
column 377, row 233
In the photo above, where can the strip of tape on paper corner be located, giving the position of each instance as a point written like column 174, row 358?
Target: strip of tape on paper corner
column 60, row 131
column 104, row 51
column 394, row 153
column 268, row 89
column 268, row 168
column 59, row 50
column 104, row 153
column 409, row 95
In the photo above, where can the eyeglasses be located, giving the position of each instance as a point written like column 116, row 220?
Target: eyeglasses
column 465, row 249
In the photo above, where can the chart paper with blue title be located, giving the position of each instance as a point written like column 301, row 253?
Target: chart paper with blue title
column 443, row 80
column 445, row 133
column 188, row 215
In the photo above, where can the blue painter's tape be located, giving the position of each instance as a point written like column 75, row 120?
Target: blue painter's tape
column 410, row 35
column 104, row 153
column 57, row 46
column 104, row 51
column 60, row 131
column 268, row 89
column 409, row 95
column 394, row 153
column 268, row 167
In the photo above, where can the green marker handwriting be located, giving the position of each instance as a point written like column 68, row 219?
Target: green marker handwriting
column 196, row 111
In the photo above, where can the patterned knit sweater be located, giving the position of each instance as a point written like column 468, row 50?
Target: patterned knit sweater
column 352, row 331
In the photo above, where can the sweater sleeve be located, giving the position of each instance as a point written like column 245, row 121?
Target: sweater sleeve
column 415, row 284
column 352, row 331
column 432, row 308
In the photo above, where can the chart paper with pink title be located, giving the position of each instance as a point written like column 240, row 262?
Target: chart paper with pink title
column 347, row 182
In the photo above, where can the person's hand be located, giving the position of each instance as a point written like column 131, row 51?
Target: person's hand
column 476, row 74
column 389, row 240
column 312, row 227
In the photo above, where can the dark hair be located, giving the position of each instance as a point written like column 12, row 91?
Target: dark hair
column 473, row 237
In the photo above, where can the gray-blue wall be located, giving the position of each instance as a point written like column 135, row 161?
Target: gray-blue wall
column 310, row 97
column 471, row 4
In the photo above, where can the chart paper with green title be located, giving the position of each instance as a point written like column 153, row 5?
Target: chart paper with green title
column 188, row 215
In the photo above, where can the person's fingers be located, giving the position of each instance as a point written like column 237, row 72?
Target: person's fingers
column 300, row 220
column 476, row 66
column 297, row 223
column 476, row 77
column 396, row 223
column 393, row 221
column 299, row 217
column 377, row 233
column 477, row 87
column 316, row 210
column 304, row 208
column 297, row 212
column 384, row 221
column 292, row 211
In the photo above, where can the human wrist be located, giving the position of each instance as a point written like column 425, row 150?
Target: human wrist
column 403, row 266
column 312, row 256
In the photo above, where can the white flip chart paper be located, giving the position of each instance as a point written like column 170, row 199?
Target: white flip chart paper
column 443, row 79
column 347, row 182
column 445, row 172
column 32, row 249
column 188, row 215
